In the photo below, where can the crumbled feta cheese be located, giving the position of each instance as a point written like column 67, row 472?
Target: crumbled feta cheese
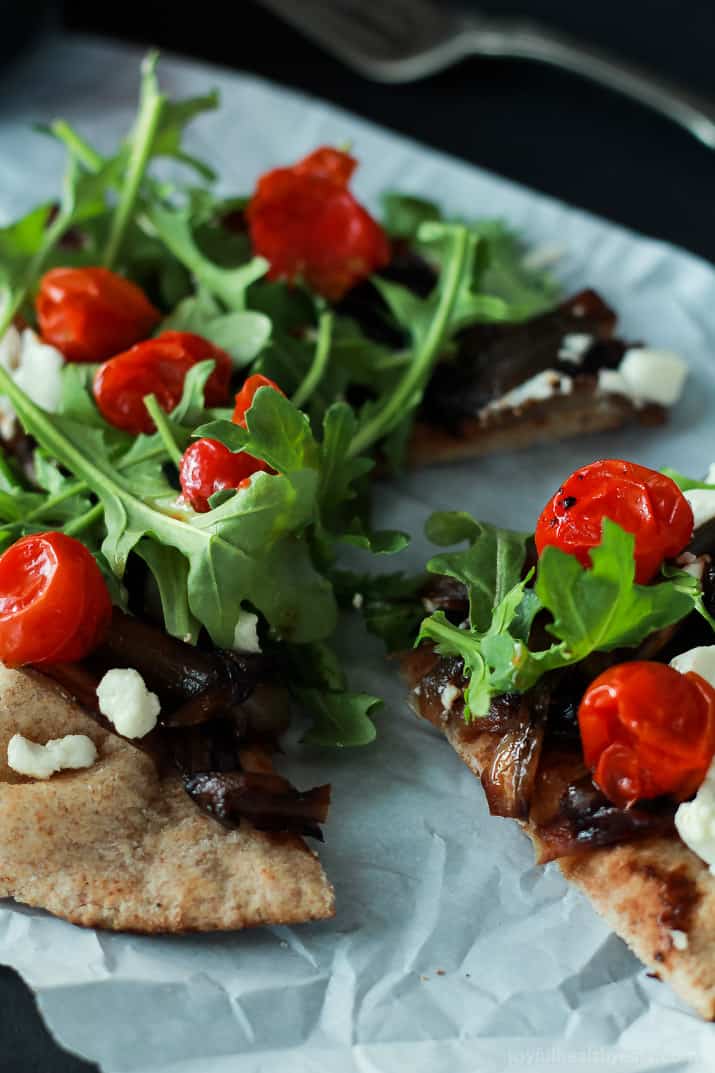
column 358, row 601
column 646, row 375
column 449, row 694
column 574, row 347
column 679, row 939
column 710, row 475
column 701, row 660
column 429, row 605
column 245, row 636
column 537, row 388
column 702, row 504
column 35, row 367
column 542, row 256
column 611, row 382
column 125, row 700
column 695, row 821
column 59, row 754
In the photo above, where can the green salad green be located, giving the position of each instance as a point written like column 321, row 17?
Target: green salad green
column 269, row 548
column 586, row 609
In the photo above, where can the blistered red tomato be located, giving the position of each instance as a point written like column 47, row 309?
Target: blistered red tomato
column 159, row 367
column 91, row 313
column 54, row 602
column 245, row 397
column 640, row 500
column 306, row 223
column 207, row 466
column 647, row 730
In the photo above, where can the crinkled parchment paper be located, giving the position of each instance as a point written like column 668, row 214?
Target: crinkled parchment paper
column 450, row 950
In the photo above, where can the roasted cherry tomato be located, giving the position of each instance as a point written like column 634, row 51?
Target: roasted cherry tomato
column 307, row 224
column 207, row 467
column 54, row 602
column 640, row 500
column 647, row 730
column 91, row 313
column 157, row 366
column 245, row 397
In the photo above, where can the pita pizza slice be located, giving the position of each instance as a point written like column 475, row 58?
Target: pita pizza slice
column 574, row 673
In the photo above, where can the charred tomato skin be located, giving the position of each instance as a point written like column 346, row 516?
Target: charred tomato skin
column 305, row 221
column 54, row 602
column 89, row 314
column 642, row 501
column 159, row 367
column 207, row 466
column 647, row 730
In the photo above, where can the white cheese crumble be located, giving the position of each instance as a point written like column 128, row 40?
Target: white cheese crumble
column 695, row 820
column 245, row 636
column 449, row 694
column 710, row 475
column 679, row 939
column 574, row 347
column 125, row 700
column 700, row 660
column 36, row 367
column 646, row 375
column 702, row 504
column 59, row 754
column 358, row 600
column 537, row 388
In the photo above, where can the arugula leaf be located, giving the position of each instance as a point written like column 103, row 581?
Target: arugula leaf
column 685, row 484
column 429, row 322
column 403, row 214
column 490, row 566
column 602, row 608
column 599, row 608
column 339, row 719
column 173, row 227
column 389, row 604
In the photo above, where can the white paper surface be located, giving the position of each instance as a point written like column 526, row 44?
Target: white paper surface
column 450, row 949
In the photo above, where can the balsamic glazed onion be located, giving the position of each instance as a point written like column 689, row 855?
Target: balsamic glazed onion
column 587, row 820
column 206, row 724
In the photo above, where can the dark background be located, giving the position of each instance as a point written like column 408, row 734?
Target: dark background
column 537, row 126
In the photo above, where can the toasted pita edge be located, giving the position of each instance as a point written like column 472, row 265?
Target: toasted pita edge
column 115, row 846
column 647, row 891
column 586, row 410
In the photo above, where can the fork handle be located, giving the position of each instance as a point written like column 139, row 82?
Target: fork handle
column 525, row 40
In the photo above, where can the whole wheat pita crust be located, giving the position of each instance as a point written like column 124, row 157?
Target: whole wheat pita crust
column 585, row 410
column 116, row 846
column 646, row 890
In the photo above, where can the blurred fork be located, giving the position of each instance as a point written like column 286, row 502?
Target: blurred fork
column 405, row 40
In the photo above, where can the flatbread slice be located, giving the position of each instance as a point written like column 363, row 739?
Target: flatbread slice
column 118, row 846
column 584, row 411
column 656, row 893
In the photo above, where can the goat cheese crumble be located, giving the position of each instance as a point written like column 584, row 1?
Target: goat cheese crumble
column 702, row 504
column 59, row 754
column 245, row 636
column 125, row 700
column 695, row 820
column 544, row 385
column 574, row 347
column 36, row 367
column 646, row 375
